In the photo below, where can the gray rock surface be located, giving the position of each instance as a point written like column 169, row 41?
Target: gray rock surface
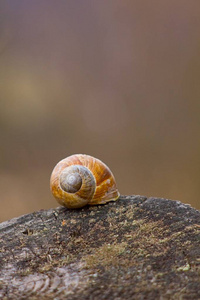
column 134, row 248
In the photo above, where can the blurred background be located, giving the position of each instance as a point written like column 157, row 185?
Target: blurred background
column 119, row 80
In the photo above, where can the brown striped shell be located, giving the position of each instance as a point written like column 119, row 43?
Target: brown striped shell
column 81, row 179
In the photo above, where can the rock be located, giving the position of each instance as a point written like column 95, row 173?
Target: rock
column 134, row 248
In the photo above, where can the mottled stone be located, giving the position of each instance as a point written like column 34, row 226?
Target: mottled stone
column 134, row 248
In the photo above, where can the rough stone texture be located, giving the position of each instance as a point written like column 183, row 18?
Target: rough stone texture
column 134, row 248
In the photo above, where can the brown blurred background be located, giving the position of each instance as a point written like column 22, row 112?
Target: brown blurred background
column 119, row 80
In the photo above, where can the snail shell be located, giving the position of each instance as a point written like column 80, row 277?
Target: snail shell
column 81, row 179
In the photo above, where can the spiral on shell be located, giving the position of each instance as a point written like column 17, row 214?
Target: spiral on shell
column 81, row 179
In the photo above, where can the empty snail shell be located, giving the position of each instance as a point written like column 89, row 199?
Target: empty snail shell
column 81, row 179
